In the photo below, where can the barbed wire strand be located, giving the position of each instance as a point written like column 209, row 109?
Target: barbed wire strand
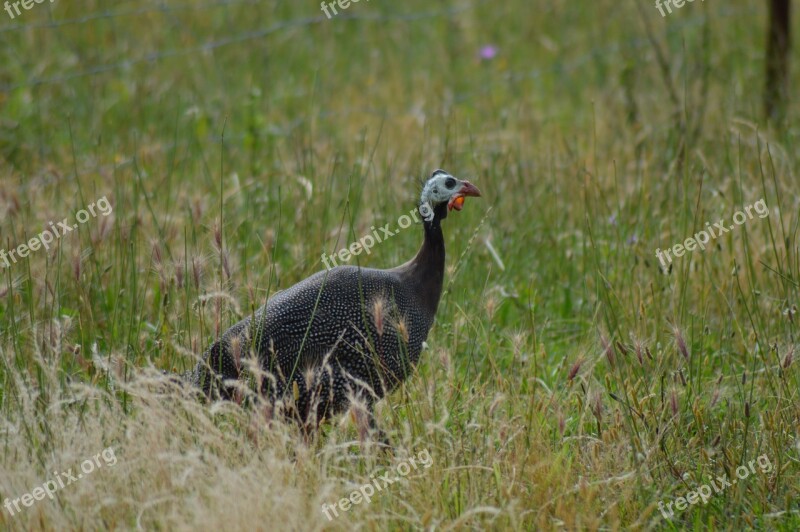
column 235, row 39
column 631, row 44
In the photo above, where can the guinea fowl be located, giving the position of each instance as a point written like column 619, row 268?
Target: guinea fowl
column 345, row 335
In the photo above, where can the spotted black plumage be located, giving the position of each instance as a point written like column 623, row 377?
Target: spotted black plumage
column 342, row 335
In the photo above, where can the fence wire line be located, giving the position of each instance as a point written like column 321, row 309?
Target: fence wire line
column 235, row 39
column 632, row 44
column 566, row 66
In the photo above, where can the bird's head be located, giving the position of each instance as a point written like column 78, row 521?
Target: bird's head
column 443, row 189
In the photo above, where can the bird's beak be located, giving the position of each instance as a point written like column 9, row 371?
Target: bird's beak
column 457, row 201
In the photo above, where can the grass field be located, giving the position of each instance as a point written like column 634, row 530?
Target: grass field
column 571, row 381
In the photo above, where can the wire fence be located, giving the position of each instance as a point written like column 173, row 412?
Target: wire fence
column 563, row 66
column 206, row 46
column 240, row 38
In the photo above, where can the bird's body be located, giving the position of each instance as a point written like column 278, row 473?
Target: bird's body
column 344, row 335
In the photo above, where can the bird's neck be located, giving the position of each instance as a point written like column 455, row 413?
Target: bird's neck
column 427, row 268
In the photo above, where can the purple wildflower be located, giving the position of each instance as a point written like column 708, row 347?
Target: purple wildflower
column 488, row 52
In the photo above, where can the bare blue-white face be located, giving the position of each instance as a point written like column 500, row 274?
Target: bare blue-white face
column 442, row 187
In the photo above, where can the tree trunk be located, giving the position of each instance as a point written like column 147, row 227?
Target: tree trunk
column 778, row 45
